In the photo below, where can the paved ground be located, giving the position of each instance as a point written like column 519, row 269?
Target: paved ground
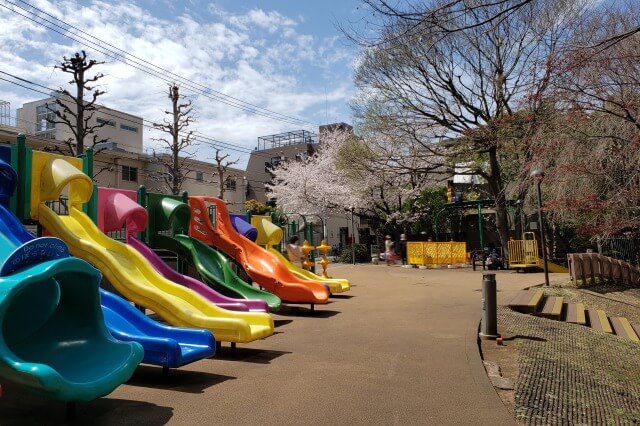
column 400, row 348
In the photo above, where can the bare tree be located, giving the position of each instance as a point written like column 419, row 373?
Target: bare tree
column 460, row 98
column 73, row 111
column 176, row 163
column 221, row 169
column 591, row 148
column 444, row 18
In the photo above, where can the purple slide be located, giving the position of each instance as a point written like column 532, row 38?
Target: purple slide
column 243, row 227
column 195, row 285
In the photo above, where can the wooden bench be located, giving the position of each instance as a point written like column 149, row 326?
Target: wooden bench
column 551, row 308
column 599, row 321
column 623, row 328
column 527, row 301
column 575, row 313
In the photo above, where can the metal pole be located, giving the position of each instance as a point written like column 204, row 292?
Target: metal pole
column 522, row 224
column 480, row 227
column 489, row 329
column 542, row 234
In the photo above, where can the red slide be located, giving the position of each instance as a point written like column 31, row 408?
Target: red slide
column 263, row 267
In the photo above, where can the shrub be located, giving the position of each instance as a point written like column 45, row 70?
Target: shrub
column 362, row 254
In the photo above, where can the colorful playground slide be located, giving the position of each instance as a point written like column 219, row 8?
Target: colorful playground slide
column 243, row 227
column 118, row 208
column 271, row 235
column 214, row 269
column 163, row 345
column 125, row 268
column 54, row 340
column 262, row 267
column 170, row 213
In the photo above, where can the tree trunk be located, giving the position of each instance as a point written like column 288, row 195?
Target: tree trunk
column 175, row 151
column 221, row 179
column 80, row 111
column 497, row 190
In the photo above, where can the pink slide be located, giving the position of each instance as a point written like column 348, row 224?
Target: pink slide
column 117, row 207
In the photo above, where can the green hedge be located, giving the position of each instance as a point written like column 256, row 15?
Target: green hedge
column 362, row 254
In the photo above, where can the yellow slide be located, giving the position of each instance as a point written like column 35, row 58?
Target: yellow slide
column 127, row 270
column 555, row 268
column 336, row 285
column 270, row 234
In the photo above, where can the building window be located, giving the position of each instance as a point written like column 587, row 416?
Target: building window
column 106, row 122
column 199, row 176
column 275, row 161
column 44, row 113
column 129, row 128
column 129, row 174
column 230, row 184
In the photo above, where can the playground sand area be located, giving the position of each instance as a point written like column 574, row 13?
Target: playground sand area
column 400, row 348
column 562, row 373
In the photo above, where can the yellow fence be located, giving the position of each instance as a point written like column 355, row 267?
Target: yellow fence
column 431, row 253
column 523, row 252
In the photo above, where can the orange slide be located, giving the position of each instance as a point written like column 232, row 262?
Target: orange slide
column 262, row 267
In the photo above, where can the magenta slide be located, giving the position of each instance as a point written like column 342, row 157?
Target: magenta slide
column 195, row 285
column 117, row 207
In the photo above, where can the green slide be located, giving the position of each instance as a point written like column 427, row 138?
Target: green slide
column 214, row 269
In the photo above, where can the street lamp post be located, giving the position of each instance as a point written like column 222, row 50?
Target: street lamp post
column 353, row 238
column 520, row 207
column 538, row 176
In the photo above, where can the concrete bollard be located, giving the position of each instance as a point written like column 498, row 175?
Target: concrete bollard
column 489, row 327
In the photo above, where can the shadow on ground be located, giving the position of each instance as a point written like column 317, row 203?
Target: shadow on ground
column 300, row 311
column 258, row 356
column 20, row 407
column 508, row 338
column 280, row 323
column 179, row 380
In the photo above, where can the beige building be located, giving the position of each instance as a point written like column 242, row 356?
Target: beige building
column 121, row 162
column 122, row 130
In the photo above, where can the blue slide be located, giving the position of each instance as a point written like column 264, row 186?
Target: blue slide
column 163, row 345
column 53, row 338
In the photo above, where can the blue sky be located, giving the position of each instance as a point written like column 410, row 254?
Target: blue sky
column 284, row 56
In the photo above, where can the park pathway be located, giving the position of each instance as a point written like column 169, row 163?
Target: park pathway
column 399, row 348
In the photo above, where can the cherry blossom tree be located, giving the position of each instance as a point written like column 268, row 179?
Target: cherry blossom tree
column 352, row 172
column 316, row 183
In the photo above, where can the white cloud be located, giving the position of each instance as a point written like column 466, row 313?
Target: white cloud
column 259, row 57
column 271, row 21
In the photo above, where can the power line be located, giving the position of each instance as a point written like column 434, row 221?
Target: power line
column 215, row 143
column 156, row 71
column 251, row 108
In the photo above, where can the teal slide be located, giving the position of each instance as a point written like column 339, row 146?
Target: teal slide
column 214, row 269
column 53, row 339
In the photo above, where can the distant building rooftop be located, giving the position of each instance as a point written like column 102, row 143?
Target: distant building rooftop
column 286, row 139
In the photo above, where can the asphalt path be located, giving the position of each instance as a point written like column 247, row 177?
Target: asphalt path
column 399, row 348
